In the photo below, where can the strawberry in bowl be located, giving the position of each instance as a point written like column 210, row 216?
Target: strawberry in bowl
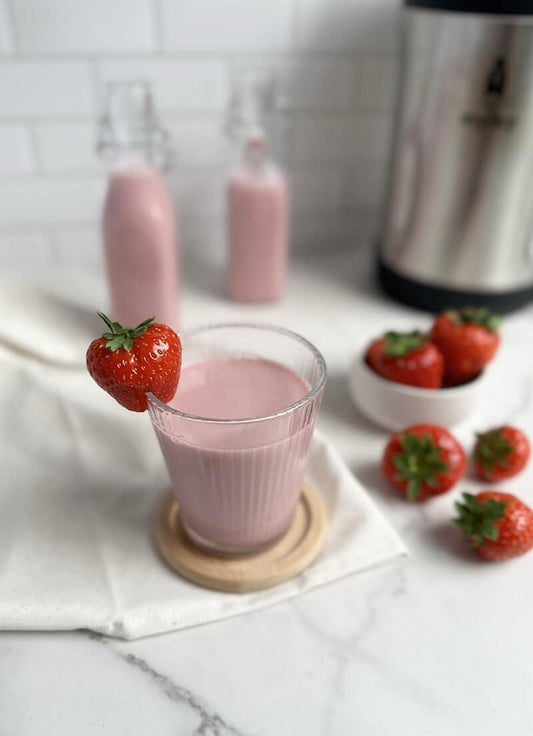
column 500, row 453
column 406, row 357
column 437, row 377
column 468, row 339
column 396, row 381
column 129, row 362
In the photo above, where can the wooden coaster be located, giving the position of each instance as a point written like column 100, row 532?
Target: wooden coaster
column 293, row 553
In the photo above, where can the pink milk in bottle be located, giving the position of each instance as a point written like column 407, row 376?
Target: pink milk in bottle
column 258, row 208
column 139, row 221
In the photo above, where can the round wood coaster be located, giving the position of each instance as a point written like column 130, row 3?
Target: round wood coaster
column 293, row 553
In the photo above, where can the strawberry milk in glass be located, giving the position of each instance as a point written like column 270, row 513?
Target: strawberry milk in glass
column 236, row 435
column 257, row 197
column 139, row 222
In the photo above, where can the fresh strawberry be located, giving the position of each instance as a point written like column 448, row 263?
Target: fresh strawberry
column 498, row 525
column 129, row 362
column 468, row 339
column 500, row 453
column 422, row 461
column 406, row 357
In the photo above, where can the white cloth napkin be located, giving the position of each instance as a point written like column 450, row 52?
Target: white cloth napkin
column 81, row 482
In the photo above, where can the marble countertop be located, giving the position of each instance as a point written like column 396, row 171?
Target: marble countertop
column 438, row 644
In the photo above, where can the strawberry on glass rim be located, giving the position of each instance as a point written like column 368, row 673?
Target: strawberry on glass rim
column 423, row 460
column 406, row 357
column 129, row 362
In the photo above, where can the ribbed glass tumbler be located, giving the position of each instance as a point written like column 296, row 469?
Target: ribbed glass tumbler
column 236, row 436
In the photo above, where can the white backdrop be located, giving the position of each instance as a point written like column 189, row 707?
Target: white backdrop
column 337, row 58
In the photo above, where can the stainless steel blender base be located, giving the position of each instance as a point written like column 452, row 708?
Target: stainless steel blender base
column 433, row 298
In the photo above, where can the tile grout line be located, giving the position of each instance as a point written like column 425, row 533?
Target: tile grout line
column 96, row 88
column 157, row 23
column 37, row 164
column 14, row 42
column 200, row 55
column 293, row 25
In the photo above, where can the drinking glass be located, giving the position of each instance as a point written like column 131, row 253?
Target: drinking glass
column 237, row 480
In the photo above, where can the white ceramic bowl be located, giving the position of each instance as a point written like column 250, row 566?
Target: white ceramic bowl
column 396, row 406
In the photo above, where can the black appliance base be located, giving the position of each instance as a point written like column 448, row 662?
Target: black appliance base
column 437, row 299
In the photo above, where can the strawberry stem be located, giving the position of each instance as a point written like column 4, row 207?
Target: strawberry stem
column 122, row 337
column 418, row 462
column 106, row 320
column 492, row 449
column 477, row 518
column 476, row 316
column 398, row 344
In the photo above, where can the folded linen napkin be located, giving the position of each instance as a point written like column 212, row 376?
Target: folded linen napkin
column 81, row 483
column 40, row 324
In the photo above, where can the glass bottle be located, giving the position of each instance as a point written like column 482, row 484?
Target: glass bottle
column 257, row 196
column 139, row 226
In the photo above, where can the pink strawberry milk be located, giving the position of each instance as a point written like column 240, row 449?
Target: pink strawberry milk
column 139, row 222
column 258, row 213
column 236, row 436
column 257, row 196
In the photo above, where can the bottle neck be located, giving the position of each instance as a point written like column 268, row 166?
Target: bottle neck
column 254, row 153
column 131, row 159
column 129, row 133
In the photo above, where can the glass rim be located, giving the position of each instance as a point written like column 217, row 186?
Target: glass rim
column 314, row 390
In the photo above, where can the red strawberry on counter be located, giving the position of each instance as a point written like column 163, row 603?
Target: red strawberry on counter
column 406, row 357
column 130, row 362
column 500, row 453
column 468, row 339
column 423, row 461
column 497, row 525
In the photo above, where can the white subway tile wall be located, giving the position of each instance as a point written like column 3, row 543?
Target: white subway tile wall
column 15, row 245
column 15, row 150
column 178, row 85
column 5, row 32
column 346, row 25
column 76, row 245
column 226, row 25
column 317, row 190
column 90, row 26
column 323, row 85
column 47, row 200
column 45, row 88
column 66, row 147
column 336, row 63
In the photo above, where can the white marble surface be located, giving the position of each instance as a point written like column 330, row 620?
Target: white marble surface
column 440, row 644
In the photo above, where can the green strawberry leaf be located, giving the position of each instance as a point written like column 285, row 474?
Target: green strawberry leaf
column 492, row 449
column 418, row 462
column 476, row 315
column 398, row 344
column 477, row 518
column 122, row 337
